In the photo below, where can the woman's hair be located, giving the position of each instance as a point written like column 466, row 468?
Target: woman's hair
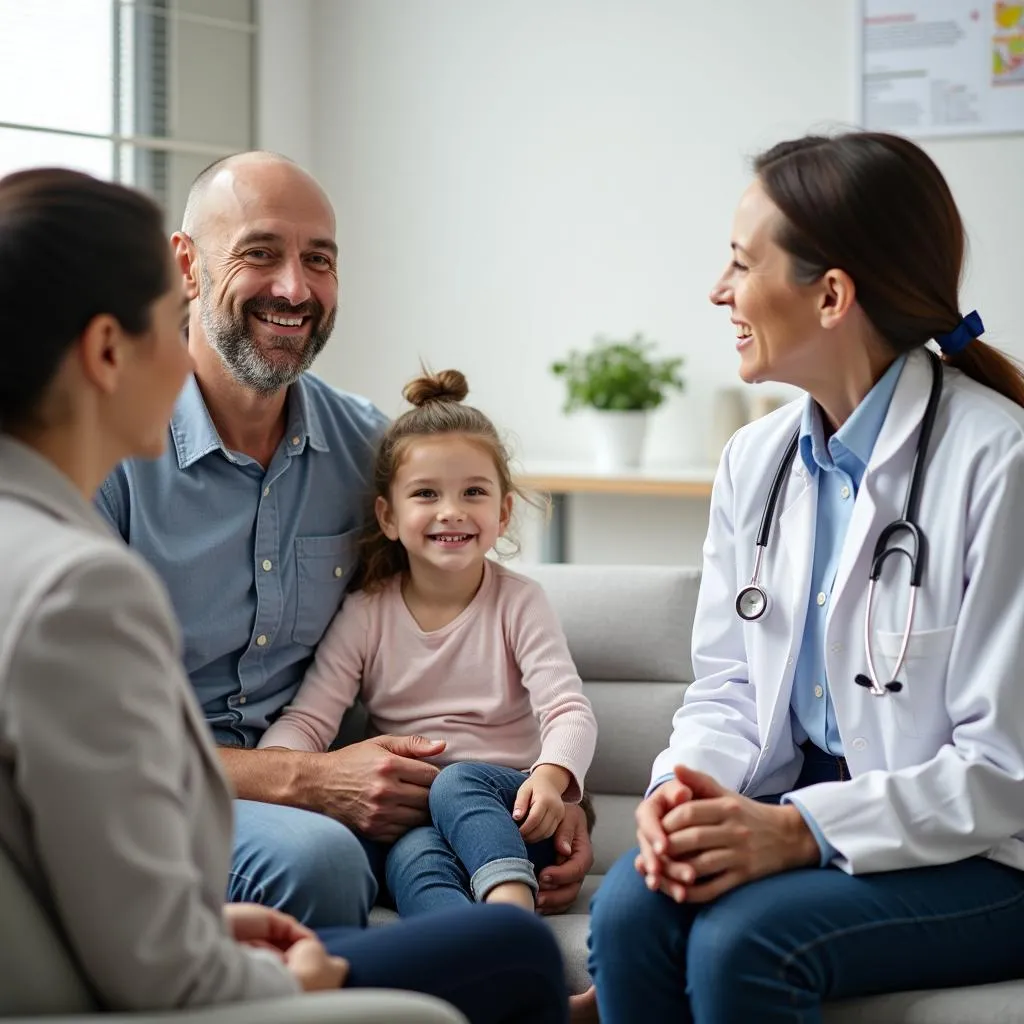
column 877, row 207
column 71, row 248
column 437, row 410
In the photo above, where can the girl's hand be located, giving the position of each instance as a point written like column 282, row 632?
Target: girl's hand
column 539, row 802
column 719, row 840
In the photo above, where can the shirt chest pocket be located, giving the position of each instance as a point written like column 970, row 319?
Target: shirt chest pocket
column 323, row 567
column 923, row 675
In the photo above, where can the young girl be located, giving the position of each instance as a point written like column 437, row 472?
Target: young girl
column 444, row 642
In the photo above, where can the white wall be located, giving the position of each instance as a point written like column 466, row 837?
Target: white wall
column 284, row 87
column 512, row 177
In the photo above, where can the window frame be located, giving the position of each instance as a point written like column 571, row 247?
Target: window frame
column 123, row 144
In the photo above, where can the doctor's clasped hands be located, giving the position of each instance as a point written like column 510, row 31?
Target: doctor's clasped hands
column 698, row 839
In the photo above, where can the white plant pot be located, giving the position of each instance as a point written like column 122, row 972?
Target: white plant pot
column 618, row 439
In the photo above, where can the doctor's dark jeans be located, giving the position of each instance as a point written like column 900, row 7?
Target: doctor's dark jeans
column 497, row 964
column 774, row 950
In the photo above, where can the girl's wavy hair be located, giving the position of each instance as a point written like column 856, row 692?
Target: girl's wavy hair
column 438, row 409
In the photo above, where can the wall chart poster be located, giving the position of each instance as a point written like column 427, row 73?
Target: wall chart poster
column 935, row 68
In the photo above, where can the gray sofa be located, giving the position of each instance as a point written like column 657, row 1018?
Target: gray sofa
column 629, row 632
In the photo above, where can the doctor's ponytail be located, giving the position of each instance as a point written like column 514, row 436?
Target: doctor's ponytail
column 877, row 207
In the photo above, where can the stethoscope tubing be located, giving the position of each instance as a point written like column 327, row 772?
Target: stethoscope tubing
column 905, row 525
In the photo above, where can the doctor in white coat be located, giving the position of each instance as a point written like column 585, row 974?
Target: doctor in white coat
column 840, row 809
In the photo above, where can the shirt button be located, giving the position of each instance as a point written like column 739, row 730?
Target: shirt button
column 789, row 662
column 818, row 691
column 266, row 492
column 296, row 439
column 837, row 648
column 337, row 571
column 241, row 700
column 860, row 743
column 261, row 640
column 267, row 565
column 844, row 493
column 820, row 599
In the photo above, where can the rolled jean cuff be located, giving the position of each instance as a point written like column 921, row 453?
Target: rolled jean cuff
column 500, row 871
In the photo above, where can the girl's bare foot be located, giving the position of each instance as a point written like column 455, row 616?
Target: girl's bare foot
column 583, row 1008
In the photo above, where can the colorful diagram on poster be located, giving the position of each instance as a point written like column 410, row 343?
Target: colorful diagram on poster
column 1008, row 45
column 937, row 68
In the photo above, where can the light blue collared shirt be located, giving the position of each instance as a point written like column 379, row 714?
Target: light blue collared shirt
column 839, row 466
column 256, row 561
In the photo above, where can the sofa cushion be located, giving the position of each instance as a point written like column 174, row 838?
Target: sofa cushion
column 615, row 828
column 1002, row 1003
column 571, row 931
column 634, row 723
column 624, row 622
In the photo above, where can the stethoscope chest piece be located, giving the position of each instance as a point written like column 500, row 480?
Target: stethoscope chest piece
column 751, row 602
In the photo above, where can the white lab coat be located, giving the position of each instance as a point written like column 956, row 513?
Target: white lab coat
column 938, row 768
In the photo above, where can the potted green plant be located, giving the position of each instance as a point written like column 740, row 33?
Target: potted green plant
column 619, row 381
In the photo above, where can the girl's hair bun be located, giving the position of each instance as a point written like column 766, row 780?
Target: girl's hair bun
column 444, row 386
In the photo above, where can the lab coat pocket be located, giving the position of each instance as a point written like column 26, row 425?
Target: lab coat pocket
column 923, row 675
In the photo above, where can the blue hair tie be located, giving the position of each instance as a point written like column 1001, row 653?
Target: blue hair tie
column 968, row 330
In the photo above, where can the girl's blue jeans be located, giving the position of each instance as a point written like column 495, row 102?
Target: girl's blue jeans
column 472, row 845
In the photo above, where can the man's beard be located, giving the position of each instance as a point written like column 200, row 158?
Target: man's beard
column 231, row 338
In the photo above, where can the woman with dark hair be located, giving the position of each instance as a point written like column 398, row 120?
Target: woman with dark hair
column 112, row 800
column 840, row 809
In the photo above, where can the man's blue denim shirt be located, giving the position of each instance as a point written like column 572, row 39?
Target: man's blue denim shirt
column 256, row 561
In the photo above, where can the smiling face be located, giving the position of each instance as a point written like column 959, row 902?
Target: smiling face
column 779, row 330
column 264, row 271
column 446, row 507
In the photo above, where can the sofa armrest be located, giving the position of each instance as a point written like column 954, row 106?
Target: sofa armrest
column 362, row 1006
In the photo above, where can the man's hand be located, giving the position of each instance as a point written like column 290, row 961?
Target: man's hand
column 560, row 883
column 378, row 787
column 719, row 840
column 264, row 927
column 539, row 807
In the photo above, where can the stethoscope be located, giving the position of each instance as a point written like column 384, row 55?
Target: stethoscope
column 752, row 600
